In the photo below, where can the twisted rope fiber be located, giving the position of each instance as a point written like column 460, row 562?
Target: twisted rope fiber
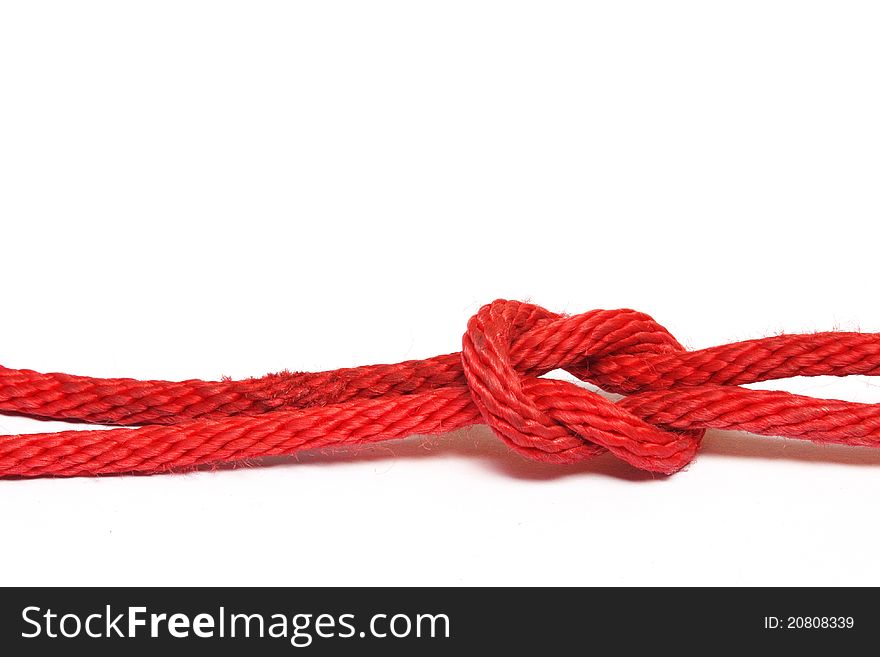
column 671, row 397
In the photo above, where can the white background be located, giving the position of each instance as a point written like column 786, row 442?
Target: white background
column 197, row 189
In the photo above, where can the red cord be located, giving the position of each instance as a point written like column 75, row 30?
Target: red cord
column 672, row 397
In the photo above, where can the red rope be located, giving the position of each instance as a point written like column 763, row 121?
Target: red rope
column 672, row 397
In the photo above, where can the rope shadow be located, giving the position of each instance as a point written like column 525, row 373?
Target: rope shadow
column 737, row 444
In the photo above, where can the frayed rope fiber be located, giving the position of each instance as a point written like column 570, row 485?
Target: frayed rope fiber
column 671, row 396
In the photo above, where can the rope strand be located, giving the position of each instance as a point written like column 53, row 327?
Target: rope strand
column 672, row 397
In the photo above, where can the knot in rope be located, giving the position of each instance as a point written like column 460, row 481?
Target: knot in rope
column 557, row 421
